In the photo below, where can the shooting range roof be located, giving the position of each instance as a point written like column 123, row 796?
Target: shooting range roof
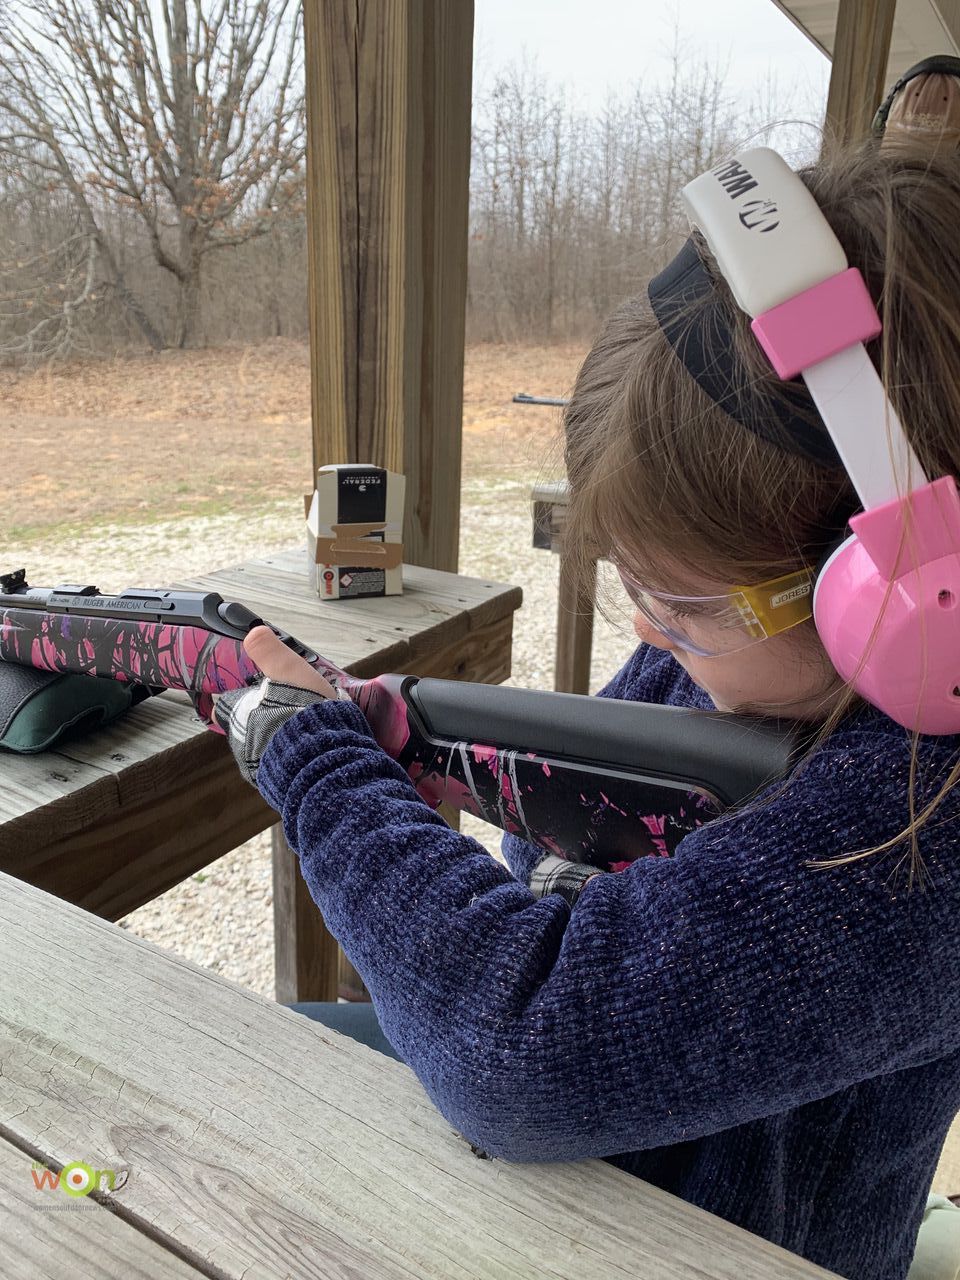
column 920, row 28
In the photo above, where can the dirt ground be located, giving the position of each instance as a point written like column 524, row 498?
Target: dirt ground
column 206, row 432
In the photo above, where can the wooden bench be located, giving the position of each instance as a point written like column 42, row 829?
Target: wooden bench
column 236, row 1139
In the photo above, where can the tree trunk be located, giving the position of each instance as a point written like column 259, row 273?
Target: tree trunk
column 188, row 310
column 275, row 308
column 130, row 302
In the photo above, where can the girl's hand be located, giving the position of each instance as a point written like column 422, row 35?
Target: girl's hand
column 278, row 662
column 250, row 717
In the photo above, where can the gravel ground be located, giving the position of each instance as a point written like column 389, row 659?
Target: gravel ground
column 222, row 918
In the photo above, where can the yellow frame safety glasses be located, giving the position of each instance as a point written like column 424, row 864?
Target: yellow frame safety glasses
column 713, row 625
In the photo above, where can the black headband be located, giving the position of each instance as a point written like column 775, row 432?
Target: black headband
column 685, row 303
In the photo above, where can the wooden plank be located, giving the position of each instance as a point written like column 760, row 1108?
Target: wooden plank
column 113, row 861
column 550, row 503
column 103, row 765
column 147, row 729
column 920, row 28
column 861, row 49
column 388, row 127
column 948, row 14
column 48, row 780
column 156, row 781
column 43, row 1240
column 159, row 783
column 330, row 38
column 386, row 388
column 575, row 609
column 549, row 521
column 260, row 1143
column 551, row 491
column 484, row 656
column 437, row 196
column 418, row 579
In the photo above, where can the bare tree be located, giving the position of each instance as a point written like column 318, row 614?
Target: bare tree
column 188, row 113
column 57, row 270
column 48, row 278
column 571, row 212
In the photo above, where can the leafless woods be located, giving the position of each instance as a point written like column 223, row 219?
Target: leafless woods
column 152, row 180
column 139, row 130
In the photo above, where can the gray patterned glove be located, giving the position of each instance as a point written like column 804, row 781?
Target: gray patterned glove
column 250, row 717
column 557, row 875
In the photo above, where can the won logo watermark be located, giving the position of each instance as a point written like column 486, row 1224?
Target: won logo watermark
column 76, row 1179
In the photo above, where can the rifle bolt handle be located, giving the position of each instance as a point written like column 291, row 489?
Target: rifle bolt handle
column 238, row 615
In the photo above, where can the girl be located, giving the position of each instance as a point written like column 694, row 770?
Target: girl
column 765, row 1024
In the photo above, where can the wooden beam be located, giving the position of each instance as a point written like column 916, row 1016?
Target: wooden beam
column 861, row 50
column 388, row 125
column 305, row 954
column 948, row 13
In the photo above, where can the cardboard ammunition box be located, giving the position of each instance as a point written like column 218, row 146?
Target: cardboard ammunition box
column 355, row 531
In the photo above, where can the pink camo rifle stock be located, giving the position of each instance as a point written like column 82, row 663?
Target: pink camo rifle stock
column 594, row 780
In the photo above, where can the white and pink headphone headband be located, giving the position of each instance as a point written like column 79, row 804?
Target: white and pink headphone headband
column 887, row 600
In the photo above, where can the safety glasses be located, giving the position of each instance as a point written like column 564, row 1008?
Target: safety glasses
column 713, row 625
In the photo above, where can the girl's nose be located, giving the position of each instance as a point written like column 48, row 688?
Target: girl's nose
column 649, row 634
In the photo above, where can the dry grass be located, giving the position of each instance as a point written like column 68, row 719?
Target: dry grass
column 204, row 432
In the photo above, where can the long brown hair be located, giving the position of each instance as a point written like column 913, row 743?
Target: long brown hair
column 657, row 468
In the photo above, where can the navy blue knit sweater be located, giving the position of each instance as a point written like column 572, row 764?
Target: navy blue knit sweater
column 777, row 1044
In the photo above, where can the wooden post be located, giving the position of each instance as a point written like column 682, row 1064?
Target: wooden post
column 861, row 50
column 574, row 631
column 306, row 954
column 388, row 166
column 388, row 157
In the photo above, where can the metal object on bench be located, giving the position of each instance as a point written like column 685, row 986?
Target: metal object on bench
column 522, row 398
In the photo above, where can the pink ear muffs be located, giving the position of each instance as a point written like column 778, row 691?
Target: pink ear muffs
column 912, row 669
column 887, row 600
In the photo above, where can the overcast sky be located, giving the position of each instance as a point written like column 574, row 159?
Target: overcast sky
column 594, row 46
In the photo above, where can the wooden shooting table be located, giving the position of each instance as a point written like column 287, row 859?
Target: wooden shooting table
column 225, row 1136
column 116, row 818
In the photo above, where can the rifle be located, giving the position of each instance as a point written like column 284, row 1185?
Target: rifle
column 595, row 780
